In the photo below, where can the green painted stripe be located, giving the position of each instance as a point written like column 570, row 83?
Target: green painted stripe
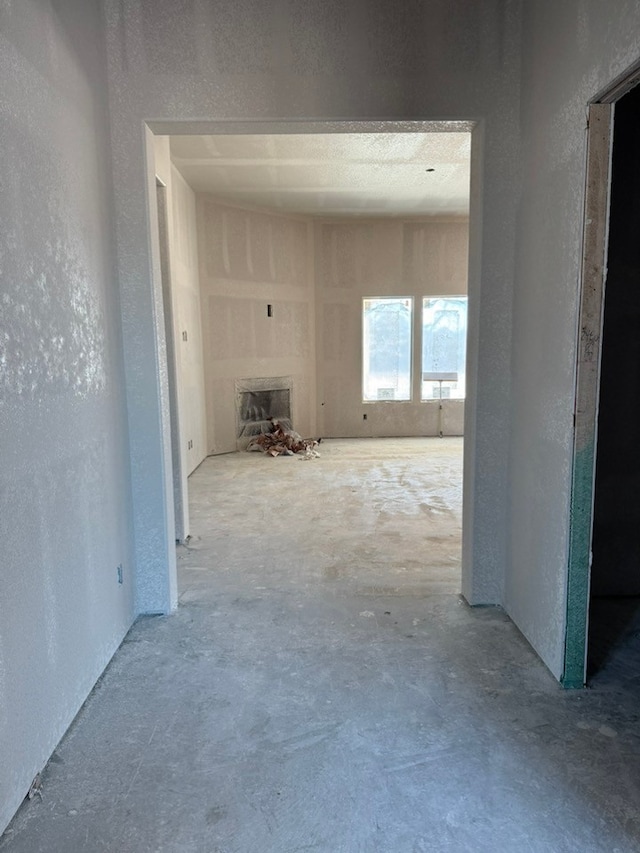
column 578, row 579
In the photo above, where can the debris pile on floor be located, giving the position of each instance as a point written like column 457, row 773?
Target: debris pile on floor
column 281, row 441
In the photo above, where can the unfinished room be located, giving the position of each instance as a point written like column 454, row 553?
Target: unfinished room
column 317, row 322
column 315, row 291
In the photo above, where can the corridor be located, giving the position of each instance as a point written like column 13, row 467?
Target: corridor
column 323, row 687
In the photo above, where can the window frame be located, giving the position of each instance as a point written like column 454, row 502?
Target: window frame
column 420, row 355
column 365, row 368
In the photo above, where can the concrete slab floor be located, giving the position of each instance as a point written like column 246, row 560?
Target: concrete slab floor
column 323, row 688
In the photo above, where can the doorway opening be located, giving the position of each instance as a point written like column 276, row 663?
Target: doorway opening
column 603, row 592
column 286, row 250
column 614, row 614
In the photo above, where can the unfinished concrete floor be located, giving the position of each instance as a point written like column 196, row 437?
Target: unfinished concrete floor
column 323, row 688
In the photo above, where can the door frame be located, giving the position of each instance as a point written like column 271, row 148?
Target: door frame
column 593, row 277
column 593, row 274
column 176, row 127
column 180, row 482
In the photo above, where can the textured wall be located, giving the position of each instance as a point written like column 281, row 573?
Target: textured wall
column 380, row 258
column 64, row 478
column 185, row 283
column 248, row 260
column 571, row 52
column 278, row 61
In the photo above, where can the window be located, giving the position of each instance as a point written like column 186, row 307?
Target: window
column 386, row 350
column 444, row 340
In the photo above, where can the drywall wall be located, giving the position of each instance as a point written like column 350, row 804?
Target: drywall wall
column 187, row 319
column 64, row 469
column 381, row 257
column 197, row 67
column 248, row 261
column 571, row 52
column 185, row 306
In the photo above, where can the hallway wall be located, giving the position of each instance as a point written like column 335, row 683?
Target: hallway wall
column 64, row 469
column 381, row 257
column 571, row 51
column 275, row 63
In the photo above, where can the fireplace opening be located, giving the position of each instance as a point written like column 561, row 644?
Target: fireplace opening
column 260, row 402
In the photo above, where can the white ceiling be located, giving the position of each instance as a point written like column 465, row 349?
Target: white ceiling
column 332, row 174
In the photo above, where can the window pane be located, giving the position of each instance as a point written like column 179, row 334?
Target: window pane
column 386, row 350
column 444, row 345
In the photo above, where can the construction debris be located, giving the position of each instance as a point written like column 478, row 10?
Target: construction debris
column 310, row 453
column 281, row 441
